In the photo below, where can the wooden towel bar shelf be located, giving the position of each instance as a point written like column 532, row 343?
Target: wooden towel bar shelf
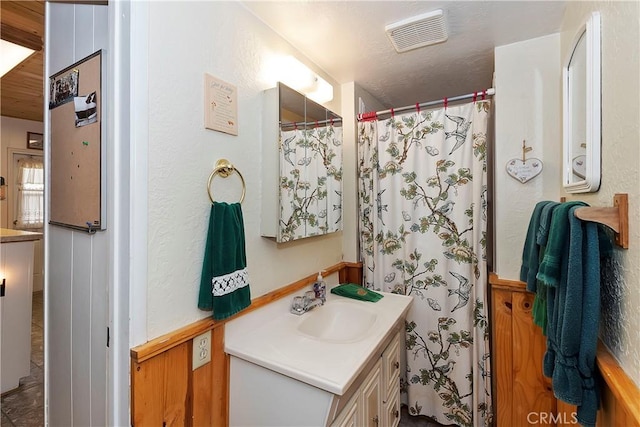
column 616, row 218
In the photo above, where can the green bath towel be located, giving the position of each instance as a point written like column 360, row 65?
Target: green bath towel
column 351, row 290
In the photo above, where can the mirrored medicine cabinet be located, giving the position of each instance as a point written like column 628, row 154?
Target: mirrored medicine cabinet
column 302, row 167
column 582, row 110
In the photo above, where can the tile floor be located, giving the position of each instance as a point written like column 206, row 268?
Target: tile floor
column 24, row 406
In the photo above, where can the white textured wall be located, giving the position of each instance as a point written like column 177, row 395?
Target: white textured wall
column 528, row 106
column 351, row 93
column 620, row 319
column 13, row 134
column 187, row 40
column 349, row 174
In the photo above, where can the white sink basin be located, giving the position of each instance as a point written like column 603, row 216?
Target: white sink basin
column 338, row 321
column 326, row 347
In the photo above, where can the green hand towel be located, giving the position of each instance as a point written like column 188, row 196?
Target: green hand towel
column 224, row 287
column 351, row 290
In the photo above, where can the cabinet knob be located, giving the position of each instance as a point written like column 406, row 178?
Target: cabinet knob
column 396, row 365
column 396, row 413
column 375, row 419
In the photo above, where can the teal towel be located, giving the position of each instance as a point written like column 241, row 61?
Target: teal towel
column 574, row 308
column 534, row 247
column 224, row 287
column 557, row 244
column 351, row 290
column 545, row 223
column 531, row 250
column 540, row 301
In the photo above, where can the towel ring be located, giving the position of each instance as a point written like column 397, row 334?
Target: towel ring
column 224, row 168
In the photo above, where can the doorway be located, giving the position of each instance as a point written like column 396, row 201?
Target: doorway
column 24, row 405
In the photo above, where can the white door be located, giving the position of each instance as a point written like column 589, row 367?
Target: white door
column 78, row 264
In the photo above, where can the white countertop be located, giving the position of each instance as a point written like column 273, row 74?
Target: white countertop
column 269, row 338
column 8, row 235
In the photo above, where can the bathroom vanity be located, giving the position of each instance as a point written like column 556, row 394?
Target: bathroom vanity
column 16, row 267
column 337, row 365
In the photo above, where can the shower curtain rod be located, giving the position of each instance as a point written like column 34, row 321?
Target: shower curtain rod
column 314, row 123
column 374, row 114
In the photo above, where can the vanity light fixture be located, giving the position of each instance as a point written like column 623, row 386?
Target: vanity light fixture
column 299, row 77
column 11, row 55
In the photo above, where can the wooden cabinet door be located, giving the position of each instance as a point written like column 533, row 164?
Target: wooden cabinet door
column 391, row 366
column 349, row 415
column 372, row 398
column 392, row 408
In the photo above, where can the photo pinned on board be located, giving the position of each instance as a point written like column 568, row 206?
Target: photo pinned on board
column 63, row 88
column 86, row 109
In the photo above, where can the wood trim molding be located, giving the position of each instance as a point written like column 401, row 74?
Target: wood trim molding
column 172, row 339
column 513, row 285
column 624, row 390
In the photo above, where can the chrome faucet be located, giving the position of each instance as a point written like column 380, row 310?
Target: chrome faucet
column 306, row 302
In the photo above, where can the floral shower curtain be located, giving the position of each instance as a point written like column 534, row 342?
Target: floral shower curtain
column 310, row 181
column 423, row 216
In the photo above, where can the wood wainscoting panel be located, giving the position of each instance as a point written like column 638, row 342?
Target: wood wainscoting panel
column 162, row 389
column 531, row 389
column 220, row 384
column 502, row 372
column 202, row 399
column 517, row 349
column 177, row 378
column 147, row 403
column 210, row 385
column 566, row 414
column 351, row 273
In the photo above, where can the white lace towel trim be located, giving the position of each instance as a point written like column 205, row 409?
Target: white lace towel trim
column 228, row 283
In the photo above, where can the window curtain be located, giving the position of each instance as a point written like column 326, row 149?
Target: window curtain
column 423, row 217
column 310, row 181
column 30, row 200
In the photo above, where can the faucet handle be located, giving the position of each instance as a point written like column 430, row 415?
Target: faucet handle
column 309, row 295
column 298, row 304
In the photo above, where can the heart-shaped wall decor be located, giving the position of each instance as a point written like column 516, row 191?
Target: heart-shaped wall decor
column 524, row 171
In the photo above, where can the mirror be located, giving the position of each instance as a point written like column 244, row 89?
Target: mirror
column 582, row 110
column 309, row 168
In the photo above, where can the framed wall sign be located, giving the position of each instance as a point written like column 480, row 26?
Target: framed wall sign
column 34, row 141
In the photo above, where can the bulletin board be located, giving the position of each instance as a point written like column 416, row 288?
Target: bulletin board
column 77, row 146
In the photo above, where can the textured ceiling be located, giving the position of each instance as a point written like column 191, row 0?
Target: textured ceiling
column 347, row 40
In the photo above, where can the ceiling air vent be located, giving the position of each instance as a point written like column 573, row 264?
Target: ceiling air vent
column 418, row 31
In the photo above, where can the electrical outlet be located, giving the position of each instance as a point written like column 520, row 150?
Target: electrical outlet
column 201, row 350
